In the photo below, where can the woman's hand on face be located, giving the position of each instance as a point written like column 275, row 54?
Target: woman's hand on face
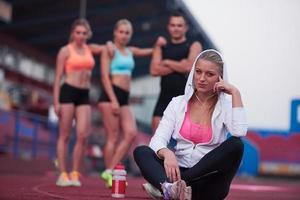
column 115, row 108
column 223, row 86
column 171, row 167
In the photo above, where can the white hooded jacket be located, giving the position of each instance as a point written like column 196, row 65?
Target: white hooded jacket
column 225, row 119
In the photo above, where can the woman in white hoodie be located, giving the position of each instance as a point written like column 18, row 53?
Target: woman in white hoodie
column 203, row 160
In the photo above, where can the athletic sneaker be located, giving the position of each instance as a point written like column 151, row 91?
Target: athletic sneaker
column 63, row 180
column 107, row 177
column 74, row 178
column 177, row 190
column 153, row 192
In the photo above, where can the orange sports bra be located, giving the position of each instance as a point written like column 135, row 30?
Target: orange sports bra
column 76, row 61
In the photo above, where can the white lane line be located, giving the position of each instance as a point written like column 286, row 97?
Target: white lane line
column 38, row 190
column 257, row 187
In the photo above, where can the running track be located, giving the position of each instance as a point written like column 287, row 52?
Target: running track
column 20, row 180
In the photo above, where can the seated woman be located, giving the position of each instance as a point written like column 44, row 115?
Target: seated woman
column 203, row 162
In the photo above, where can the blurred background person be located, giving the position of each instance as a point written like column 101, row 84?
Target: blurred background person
column 116, row 70
column 71, row 99
column 172, row 60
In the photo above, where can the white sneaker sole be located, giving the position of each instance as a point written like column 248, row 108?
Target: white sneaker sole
column 75, row 183
column 152, row 191
column 63, row 184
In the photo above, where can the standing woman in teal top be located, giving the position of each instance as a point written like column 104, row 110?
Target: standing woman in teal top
column 116, row 69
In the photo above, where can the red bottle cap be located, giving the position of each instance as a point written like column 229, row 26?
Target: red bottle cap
column 119, row 166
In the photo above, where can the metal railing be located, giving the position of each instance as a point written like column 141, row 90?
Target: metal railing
column 26, row 133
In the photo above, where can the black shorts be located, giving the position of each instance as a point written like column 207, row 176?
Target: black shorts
column 161, row 104
column 71, row 94
column 121, row 94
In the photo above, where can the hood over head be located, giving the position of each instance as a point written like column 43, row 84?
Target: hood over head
column 189, row 88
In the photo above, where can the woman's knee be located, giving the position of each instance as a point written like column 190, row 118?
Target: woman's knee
column 64, row 137
column 112, row 130
column 64, row 132
column 130, row 135
column 237, row 143
column 237, row 146
column 81, row 138
column 141, row 151
column 112, row 141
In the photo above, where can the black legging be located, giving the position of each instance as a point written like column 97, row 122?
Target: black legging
column 210, row 178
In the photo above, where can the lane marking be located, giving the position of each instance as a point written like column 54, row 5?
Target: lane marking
column 38, row 190
column 257, row 187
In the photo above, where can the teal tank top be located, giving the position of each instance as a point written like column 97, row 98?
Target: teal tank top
column 122, row 64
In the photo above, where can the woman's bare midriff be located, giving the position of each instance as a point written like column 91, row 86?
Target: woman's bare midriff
column 122, row 81
column 80, row 79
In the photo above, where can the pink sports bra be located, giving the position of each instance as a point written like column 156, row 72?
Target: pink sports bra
column 195, row 132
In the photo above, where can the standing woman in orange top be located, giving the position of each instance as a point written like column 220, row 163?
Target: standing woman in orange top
column 116, row 70
column 71, row 99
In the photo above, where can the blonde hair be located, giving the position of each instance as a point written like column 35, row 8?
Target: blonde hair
column 81, row 22
column 121, row 22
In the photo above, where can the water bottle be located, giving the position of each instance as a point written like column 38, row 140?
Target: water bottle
column 118, row 181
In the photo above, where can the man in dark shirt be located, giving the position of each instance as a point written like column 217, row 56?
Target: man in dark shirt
column 172, row 60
